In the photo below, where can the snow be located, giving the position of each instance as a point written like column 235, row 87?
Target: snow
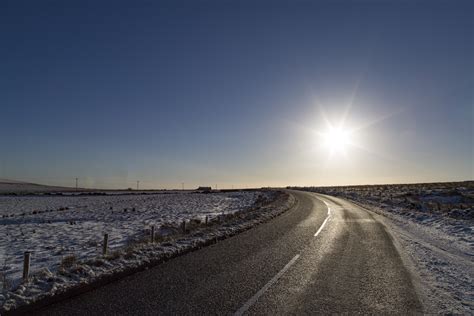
column 55, row 227
column 65, row 233
column 433, row 227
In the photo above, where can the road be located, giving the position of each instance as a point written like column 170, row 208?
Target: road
column 325, row 255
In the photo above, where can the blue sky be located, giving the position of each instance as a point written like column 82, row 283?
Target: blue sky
column 235, row 92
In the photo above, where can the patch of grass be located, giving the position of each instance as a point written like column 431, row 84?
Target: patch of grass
column 96, row 262
column 114, row 255
column 68, row 261
column 7, row 283
column 42, row 273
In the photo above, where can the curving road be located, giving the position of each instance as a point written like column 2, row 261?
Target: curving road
column 325, row 255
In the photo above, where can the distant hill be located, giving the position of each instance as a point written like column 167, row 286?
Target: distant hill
column 10, row 181
column 8, row 186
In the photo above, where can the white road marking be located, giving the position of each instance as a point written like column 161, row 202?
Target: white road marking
column 322, row 226
column 326, row 220
column 257, row 295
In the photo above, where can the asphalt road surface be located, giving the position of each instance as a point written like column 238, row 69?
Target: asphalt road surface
column 325, row 255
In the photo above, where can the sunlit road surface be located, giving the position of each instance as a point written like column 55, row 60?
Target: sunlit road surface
column 325, row 255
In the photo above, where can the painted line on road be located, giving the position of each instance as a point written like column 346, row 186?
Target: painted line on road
column 265, row 288
column 257, row 295
column 326, row 220
column 327, row 205
column 322, row 226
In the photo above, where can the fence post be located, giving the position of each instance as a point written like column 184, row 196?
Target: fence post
column 184, row 226
column 206, row 219
column 105, row 245
column 153, row 233
column 26, row 265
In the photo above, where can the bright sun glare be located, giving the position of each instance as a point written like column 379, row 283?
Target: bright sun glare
column 337, row 139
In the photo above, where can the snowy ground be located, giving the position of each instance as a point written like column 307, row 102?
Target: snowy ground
column 433, row 226
column 65, row 233
column 59, row 226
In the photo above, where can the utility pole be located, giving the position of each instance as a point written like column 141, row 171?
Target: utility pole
column 76, row 183
column 138, row 185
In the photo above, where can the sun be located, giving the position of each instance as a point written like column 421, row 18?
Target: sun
column 337, row 138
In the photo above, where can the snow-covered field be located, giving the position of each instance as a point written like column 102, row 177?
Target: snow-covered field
column 433, row 225
column 53, row 227
column 65, row 234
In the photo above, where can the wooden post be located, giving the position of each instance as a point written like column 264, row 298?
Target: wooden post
column 153, row 233
column 184, row 226
column 105, row 245
column 26, row 265
column 207, row 219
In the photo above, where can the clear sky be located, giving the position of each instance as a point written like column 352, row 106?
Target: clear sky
column 236, row 92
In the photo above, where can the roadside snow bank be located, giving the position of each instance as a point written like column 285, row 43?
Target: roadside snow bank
column 140, row 252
